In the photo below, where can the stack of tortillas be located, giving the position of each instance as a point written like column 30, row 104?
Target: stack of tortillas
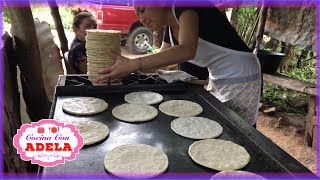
column 98, row 43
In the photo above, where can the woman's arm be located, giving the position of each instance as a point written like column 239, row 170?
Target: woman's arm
column 188, row 41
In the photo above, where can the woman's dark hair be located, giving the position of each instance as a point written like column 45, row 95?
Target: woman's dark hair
column 79, row 15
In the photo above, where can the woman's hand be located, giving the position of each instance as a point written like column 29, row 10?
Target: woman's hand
column 121, row 68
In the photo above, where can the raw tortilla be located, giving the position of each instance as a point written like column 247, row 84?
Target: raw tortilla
column 136, row 160
column 180, row 108
column 219, row 154
column 143, row 97
column 84, row 106
column 196, row 127
column 135, row 112
column 236, row 174
column 91, row 131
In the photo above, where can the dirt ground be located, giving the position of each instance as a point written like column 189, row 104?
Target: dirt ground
column 287, row 131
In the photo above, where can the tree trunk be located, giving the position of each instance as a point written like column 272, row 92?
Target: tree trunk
column 12, row 119
column 235, row 19
column 59, row 26
column 289, row 50
column 254, row 26
column 283, row 47
column 262, row 22
column 29, row 61
column 50, row 57
column 244, row 25
column 302, row 57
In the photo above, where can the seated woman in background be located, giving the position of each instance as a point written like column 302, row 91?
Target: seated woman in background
column 77, row 56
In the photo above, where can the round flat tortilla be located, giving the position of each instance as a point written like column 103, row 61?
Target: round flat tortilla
column 236, row 174
column 180, row 108
column 91, row 131
column 219, row 154
column 84, row 106
column 196, row 127
column 143, row 97
column 136, row 160
column 135, row 112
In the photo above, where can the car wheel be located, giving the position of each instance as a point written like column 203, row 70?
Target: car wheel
column 139, row 40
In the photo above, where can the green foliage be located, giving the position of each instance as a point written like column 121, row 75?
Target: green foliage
column 245, row 24
column 287, row 100
column 43, row 14
column 284, row 99
column 5, row 16
column 306, row 73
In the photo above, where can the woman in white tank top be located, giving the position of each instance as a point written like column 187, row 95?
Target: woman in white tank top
column 206, row 39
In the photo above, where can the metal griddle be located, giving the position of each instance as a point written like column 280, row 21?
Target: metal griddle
column 266, row 157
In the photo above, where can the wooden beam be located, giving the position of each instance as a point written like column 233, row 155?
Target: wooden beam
column 311, row 125
column 291, row 83
column 11, row 111
column 59, row 26
column 29, row 61
column 262, row 22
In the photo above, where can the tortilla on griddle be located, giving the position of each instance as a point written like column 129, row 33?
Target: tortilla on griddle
column 135, row 112
column 180, row 108
column 91, row 131
column 136, row 161
column 143, row 97
column 236, row 174
column 196, row 127
column 219, row 154
column 84, row 105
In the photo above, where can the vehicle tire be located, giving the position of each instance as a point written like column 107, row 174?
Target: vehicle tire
column 138, row 39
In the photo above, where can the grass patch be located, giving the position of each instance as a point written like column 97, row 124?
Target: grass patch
column 287, row 100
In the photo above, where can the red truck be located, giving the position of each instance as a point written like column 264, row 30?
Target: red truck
column 122, row 17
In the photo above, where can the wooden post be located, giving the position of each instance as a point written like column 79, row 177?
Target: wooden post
column 311, row 125
column 262, row 22
column 254, row 28
column 29, row 61
column 59, row 26
column 12, row 119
